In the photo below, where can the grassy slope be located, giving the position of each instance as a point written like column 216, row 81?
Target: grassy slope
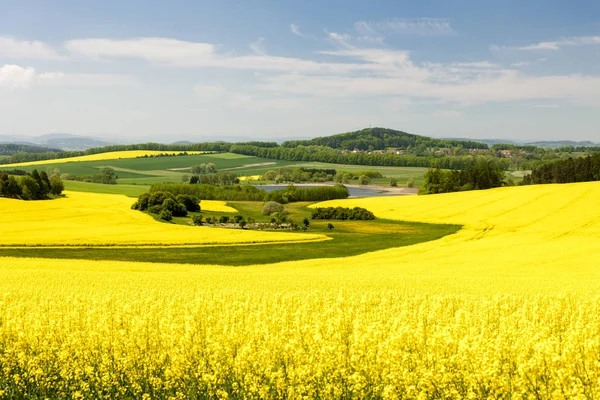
column 349, row 238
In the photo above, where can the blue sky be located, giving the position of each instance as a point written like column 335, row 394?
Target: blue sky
column 279, row 69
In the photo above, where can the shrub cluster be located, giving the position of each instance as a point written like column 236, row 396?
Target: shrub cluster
column 183, row 153
column 34, row 186
column 166, row 205
column 356, row 213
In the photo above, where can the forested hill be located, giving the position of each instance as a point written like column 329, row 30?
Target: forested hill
column 381, row 139
column 8, row 149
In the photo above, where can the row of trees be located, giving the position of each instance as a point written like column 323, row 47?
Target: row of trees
column 342, row 213
column 329, row 155
column 209, row 168
column 218, row 179
column 106, row 176
column 251, row 193
column 583, row 169
column 292, row 194
column 34, row 186
column 484, row 174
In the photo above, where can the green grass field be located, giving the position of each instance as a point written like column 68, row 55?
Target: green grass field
column 148, row 171
column 348, row 238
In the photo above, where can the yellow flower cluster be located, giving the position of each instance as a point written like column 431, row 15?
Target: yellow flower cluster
column 93, row 219
column 113, row 155
column 506, row 308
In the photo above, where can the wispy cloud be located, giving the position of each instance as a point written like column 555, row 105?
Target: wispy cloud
column 404, row 26
column 556, row 45
column 296, row 30
column 258, row 47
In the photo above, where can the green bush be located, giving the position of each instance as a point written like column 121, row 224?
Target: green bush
column 190, row 202
column 271, row 207
column 197, row 219
column 165, row 215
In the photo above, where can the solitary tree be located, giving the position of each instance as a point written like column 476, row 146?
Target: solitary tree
column 330, row 226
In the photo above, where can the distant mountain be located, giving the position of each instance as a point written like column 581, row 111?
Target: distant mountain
column 562, row 143
column 61, row 141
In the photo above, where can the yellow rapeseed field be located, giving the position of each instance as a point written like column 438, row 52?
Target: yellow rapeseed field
column 113, row 155
column 216, row 206
column 249, row 178
column 506, row 308
column 96, row 219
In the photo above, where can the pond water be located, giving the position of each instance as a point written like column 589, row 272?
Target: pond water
column 354, row 192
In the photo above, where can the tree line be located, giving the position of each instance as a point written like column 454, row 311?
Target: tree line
column 251, row 193
column 582, row 169
column 329, row 155
column 33, row 186
column 485, row 174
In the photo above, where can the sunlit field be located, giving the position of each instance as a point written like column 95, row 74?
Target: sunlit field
column 95, row 219
column 506, row 308
column 113, row 155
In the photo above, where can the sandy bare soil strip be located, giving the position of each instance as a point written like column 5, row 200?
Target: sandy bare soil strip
column 250, row 165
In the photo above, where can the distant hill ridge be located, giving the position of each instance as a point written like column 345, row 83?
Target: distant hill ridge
column 543, row 143
column 380, row 139
column 56, row 141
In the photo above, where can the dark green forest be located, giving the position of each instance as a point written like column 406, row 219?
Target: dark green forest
column 381, row 139
column 582, row 169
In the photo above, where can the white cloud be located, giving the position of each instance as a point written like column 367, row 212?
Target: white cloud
column 556, row 45
column 13, row 49
column 159, row 50
column 16, row 77
column 403, row 26
column 75, row 80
